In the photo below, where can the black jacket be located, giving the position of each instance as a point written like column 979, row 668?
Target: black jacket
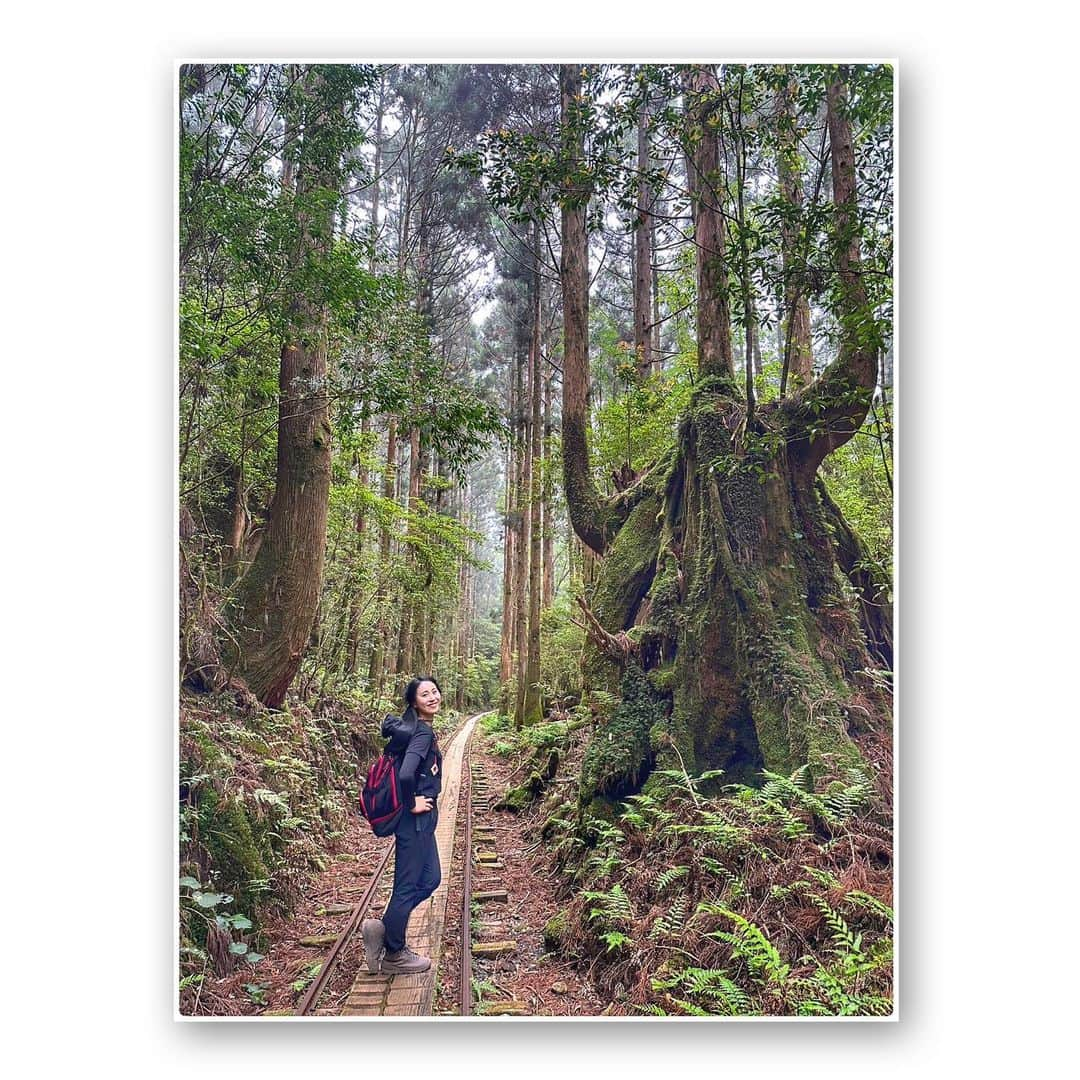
column 416, row 746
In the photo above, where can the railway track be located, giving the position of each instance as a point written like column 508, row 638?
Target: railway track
column 389, row 995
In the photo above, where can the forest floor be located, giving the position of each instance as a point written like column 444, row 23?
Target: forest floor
column 544, row 984
column 287, row 968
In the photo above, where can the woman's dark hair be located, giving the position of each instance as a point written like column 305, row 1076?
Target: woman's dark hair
column 414, row 685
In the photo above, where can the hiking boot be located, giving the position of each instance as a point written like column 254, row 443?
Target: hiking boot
column 374, row 934
column 405, row 962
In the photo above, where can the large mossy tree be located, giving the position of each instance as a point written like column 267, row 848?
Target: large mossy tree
column 732, row 611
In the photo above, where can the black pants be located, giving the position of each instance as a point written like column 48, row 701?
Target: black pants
column 416, row 873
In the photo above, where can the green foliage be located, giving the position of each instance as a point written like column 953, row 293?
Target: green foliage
column 856, row 477
column 710, row 984
column 211, row 937
column 669, row 924
column 617, row 759
column 265, row 793
column 637, row 424
column 613, row 907
column 671, row 874
column 749, row 943
column 256, row 249
column 747, row 913
column 309, row 974
column 496, row 724
column 561, row 642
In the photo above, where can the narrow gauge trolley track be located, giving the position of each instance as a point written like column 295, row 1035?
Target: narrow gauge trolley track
column 401, row 994
column 307, row 1005
column 466, row 892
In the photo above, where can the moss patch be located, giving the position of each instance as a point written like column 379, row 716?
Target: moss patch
column 619, row 757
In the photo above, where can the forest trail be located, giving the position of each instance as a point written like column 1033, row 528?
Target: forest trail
column 584, row 397
column 411, row 995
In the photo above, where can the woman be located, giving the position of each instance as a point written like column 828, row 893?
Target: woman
column 416, row 856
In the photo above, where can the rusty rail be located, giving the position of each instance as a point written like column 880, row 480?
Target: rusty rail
column 466, row 896
column 319, row 983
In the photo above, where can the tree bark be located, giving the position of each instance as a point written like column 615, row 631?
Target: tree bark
column 524, row 477
column 594, row 519
column 506, row 635
column 279, row 595
column 705, row 182
column 725, row 625
column 828, row 412
column 643, row 255
column 797, row 355
column 377, row 670
column 548, row 507
column 532, row 706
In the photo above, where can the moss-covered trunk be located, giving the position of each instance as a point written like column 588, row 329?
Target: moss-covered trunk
column 722, row 598
column 736, row 612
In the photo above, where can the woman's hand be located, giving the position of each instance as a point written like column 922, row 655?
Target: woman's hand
column 421, row 804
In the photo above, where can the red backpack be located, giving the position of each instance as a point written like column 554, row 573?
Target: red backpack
column 380, row 800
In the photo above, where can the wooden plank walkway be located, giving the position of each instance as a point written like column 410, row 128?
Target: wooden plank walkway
column 411, row 995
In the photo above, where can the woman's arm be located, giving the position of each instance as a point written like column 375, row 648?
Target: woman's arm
column 418, row 749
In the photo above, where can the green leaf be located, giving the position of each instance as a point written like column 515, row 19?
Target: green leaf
column 190, row 883
column 208, row 899
column 237, row 948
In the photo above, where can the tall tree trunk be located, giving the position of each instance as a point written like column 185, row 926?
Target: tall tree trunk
column 356, row 602
column 703, row 163
column 521, row 543
column 548, row 507
column 643, row 255
column 747, row 651
column 409, row 602
column 594, row 519
column 658, row 357
column 377, row 671
column 506, row 637
column 531, row 704
column 279, row 595
column 797, row 353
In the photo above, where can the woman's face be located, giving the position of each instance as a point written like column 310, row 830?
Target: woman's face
column 428, row 698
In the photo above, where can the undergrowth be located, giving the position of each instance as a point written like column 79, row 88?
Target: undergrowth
column 774, row 900
column 264, row 797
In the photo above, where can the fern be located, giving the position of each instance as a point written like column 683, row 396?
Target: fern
column 847, row 801
column 634, row 818
column 669, row 876
column 831, row 997
column 671, row 922
column 615, row 939
column 715, row 985
column 650, row 1010
column 749, row 943
column 614, row 906
column 792, row 827
column 272, row 799
column 823, row 877
column 870, row 903
column 688, row 1007
column 841, row 932
column 717, row 868
column 795, row 790
column 644, row 811
column 716, row 827
column 602, row 863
